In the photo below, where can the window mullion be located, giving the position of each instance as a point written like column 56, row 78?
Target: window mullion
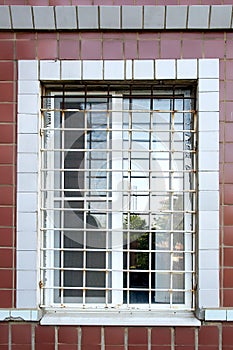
column 117, row 200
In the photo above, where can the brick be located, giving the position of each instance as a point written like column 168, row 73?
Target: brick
column 6, row 133
column 26, row 49
column 21, row 334
column 6, row 237
column 68, row 335
column 227, row 331
column 44, row 335
column 161, row 336
column 113, row 49
column 91, row 49
column 6, row 154
column 47, row 49
column 184, row 336
column 227, row 278
column 208, row 335
column 7, row 49
column 69, row 49
column 6, row 195
column 6, row 280
column 137, row 336
column 228, row 254
column 91, row 336
column 6, row 92
column 6, row 255
column 228, row 215
column 114, row 335
column 6, row 299
column 4, row 333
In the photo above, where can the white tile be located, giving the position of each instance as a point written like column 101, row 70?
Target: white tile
column 205, row 85
column 27, row 163
column 27, row 182
column 208, row 200
column 27, row 222
column 23, row 314
column 92, row 70
column 4, row 314
column 208, row 121
column 26, row 280
column 28, row 87
column 208, row 260
column 129, row 69
column 187, row 69
column 26, row 299
column 208, row 101
column 26, row 202
column 35, row 315
column 209, row 141
column 26, row 240
column 28, row 124
column 208, row 68
column 143, row 69
column 49, row 70
column 215, row 315
column 208, row 161
column 28, row 70
column 114, row 70
column 28, row 143
column 208, row 181
column 208, row 298
column 26, row 260
column 207, row 279
column 28, row 104
column 70, row 70
column 208, row 239
column 229, row 315
column 165, row 69
column 208, row 220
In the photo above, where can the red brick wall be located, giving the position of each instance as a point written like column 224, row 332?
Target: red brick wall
column 23, row 336
column 14, row 46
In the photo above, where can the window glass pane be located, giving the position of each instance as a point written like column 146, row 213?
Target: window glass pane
column 118, row 195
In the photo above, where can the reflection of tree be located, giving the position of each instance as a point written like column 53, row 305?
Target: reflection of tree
column 137, row 241
column 166, row 222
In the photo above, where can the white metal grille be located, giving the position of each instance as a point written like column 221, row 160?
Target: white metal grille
column 118, row 196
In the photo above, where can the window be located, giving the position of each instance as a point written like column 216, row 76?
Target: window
column 118, row 197
column 42, row 203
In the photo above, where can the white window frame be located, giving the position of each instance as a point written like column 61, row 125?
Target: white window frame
column 31, row 72
column 116, row 216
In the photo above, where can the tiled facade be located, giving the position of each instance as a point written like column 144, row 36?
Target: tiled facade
column 216, row 332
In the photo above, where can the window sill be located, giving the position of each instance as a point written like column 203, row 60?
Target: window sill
column 120, row 318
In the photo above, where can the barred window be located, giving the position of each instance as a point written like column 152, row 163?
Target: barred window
column 118, row 196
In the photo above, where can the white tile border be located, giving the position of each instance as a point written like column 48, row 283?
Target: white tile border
column 207, row 17
column 208, row 163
